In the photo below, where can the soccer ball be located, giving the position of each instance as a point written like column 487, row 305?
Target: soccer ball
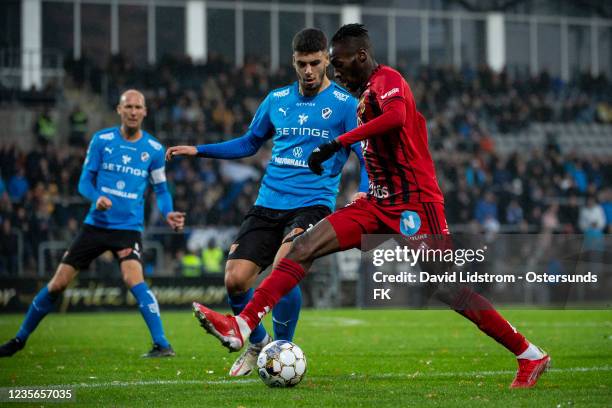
column 281, row 364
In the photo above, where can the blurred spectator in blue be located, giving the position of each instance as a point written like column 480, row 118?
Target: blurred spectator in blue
column 514, row 213
column 580, row 177
column 18, row 186
column 486, row 208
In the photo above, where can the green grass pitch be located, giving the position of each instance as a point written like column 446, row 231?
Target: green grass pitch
column 370, row 358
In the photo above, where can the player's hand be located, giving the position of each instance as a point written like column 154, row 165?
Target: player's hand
column 359, row 195
column 180, row 151
column 176, row 220
column 103, row 203
column 322, row 153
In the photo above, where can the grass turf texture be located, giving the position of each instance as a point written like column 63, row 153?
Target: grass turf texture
column 355, row 358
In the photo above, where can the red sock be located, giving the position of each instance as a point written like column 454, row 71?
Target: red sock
column 283, row 278
column 482, row 313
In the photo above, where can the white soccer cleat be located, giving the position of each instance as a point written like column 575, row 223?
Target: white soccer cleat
column 247, row 362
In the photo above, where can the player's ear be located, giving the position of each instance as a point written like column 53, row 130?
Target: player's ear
column 362, row 55
column 326, row 58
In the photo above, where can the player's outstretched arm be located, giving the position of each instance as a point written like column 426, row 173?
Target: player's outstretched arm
column 175, row 151
column 393, row 117
column 243, row 146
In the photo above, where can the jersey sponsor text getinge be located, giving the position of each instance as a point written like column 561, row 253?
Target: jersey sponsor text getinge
column 302, row 131
column 124, row 169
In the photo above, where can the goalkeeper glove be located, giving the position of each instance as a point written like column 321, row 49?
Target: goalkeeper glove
column 322, row 153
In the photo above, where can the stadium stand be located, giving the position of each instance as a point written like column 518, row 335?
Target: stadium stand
column 508, row 150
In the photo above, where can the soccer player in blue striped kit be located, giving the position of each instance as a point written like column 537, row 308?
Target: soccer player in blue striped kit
column 121, row 162
column 297, row 117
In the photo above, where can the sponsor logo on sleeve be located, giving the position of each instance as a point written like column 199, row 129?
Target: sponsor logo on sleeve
column 107, row 136
column 280, row 94
column 341, row 96
column 390, row 93
column 155, row 145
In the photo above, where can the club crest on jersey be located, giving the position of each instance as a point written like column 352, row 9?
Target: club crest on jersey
column 120, row 184
column 297, row 152
column 126, row 159
column 410, row 223
column 302, row 118
column 144, row 156
column 326, row 113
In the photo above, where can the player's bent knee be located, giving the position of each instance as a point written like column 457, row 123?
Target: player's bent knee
column 62, row 278
column 237, row 278
column 131, row 271
column 235, row 285
column 302, row 250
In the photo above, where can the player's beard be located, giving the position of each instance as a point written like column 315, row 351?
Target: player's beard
column 312, row 88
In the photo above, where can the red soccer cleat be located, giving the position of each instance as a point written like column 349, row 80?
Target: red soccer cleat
column 223, row 327
column 529, row 372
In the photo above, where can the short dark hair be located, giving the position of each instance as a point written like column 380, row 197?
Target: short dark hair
column 353, row 32
column 309, row 40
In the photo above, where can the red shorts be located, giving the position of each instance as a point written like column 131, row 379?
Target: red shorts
column 365, row 216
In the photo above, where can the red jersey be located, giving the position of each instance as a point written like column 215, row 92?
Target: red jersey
column 398, row 162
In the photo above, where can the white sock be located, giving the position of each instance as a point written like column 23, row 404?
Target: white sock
column 532, row 353
column 265, row 341
column 245, row 330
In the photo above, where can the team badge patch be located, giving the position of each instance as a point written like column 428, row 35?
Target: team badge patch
column 326, row 113
column 144, row 156
column 410, row 223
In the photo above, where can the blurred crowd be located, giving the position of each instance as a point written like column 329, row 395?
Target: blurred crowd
column 215, row 101
column 536, row 189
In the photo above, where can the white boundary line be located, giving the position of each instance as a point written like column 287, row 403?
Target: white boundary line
column 416, row 374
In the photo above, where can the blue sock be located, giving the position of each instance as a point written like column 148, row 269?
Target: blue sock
column 286, row 313
column 40, row 307
column 237, row 303
column 149, row 308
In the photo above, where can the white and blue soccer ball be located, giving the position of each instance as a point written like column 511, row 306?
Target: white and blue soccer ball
column 281, row 364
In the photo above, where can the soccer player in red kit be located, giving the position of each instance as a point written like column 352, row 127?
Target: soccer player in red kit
column 402, row 182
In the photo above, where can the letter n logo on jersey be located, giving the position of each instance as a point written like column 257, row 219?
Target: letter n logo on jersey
column 410, row 223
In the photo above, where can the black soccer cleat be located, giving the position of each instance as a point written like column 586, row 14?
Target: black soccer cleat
column 11, row 347
column 159, row 351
